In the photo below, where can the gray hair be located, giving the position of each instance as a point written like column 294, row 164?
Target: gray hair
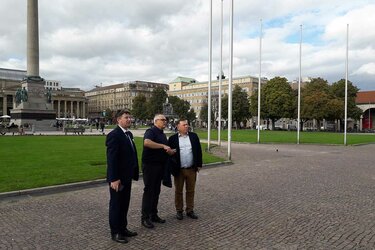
column 156, row 117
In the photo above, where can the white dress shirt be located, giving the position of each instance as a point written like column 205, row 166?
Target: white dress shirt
column 186, row 152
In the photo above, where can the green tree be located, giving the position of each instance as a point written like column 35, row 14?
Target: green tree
column 240, row 106
column 224, row 107
column 338, row 90
column 155, row 103
column 315, row 100
column 108, row 115
column 180, row 107
column 191, row 116
column 254, row 104
column 140, row 107
column 203, row 115
column 279, row 99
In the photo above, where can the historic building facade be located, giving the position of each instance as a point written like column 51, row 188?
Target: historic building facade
column 196, row 93
column 118, row 96
column 67, row 102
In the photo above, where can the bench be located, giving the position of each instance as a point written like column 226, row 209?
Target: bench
column 78, row 131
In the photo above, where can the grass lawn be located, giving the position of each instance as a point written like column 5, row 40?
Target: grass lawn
column 267, row 136
column 38, row 161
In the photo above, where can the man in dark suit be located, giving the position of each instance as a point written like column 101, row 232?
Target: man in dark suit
column 122, row 167
column 184, row 165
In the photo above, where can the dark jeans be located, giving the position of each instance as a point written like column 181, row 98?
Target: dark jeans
column 152, row 177
column 118, row 209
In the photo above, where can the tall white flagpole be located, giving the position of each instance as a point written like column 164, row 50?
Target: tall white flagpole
column 209, row 78
column 299, row 86
column 259, row 79
column 346, row 84
column 230, row 82
column 220, row 77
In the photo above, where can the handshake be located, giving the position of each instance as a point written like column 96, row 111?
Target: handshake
column 169, row 150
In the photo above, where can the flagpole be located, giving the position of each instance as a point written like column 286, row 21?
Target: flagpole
column 221, row 74
column 259, row 79
column 230, row 82
column 209, row 78
column 299, row 86
column 346, row 84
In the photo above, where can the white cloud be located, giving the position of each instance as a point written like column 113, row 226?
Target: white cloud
column 367, row 69
column 86, row 42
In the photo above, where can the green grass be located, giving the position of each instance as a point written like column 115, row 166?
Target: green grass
column 267, row 136
column 38, row 161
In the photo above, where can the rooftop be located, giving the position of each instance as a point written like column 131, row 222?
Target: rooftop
column 365, row 97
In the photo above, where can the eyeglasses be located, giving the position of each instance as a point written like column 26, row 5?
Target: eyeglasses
column 164, row 120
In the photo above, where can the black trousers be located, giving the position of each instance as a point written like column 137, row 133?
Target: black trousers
column 118, row 208
column 152, row 177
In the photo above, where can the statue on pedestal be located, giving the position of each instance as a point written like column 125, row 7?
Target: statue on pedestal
column 24, row 95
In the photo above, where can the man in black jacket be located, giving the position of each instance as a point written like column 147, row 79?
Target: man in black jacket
column 154, row 159
column 122, row 167
column 184, row 165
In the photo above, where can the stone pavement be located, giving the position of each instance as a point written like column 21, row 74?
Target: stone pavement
column 272, row 197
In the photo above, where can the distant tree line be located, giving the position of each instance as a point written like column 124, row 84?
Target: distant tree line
column 319, row 101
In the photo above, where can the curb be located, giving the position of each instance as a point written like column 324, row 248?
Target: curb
column 77, row 185
column 51, row 189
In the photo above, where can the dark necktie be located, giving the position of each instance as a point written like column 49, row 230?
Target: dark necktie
column 129, row 135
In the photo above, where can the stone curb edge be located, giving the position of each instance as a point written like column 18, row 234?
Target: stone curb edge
column 77, row 185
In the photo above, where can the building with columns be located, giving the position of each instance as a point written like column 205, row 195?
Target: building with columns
column 67, row 102
column 118, row 96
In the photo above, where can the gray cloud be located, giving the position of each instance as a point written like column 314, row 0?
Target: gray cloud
column 87, row 42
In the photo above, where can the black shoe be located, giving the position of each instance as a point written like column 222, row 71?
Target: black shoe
column 157, row 219
column 179, row 216
column 192, row 215
column 147, row 223
column 128, row 233
column 119, row 238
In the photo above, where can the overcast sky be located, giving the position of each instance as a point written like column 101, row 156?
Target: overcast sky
column 87, row 42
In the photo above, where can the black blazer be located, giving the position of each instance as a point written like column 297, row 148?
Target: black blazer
column 175, row 160
column 122, row 160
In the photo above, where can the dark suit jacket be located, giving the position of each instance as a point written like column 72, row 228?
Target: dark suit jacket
column 175, row 161
column 122, row 161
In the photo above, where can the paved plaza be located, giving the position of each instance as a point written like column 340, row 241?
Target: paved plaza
column 272, row 197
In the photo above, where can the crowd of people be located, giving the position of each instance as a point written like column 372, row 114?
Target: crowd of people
column 180, row 156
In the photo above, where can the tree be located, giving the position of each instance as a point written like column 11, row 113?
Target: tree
column 191, row 115
column 108, row 115
column 224, row 107
column 315, row 100
column 140, row 107
column 338, row 90
column 240, row 106
column 254, row 104
column 155, row 103
column 180, row 107
column 279, row 99
column 203, row 115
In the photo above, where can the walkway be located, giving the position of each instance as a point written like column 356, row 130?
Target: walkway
column 273, row 197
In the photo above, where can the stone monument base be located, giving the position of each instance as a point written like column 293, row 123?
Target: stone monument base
column 34, row 110
column 38, row 120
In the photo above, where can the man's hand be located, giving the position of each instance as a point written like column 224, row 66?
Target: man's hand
column 115, row 185
column 171, row 151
